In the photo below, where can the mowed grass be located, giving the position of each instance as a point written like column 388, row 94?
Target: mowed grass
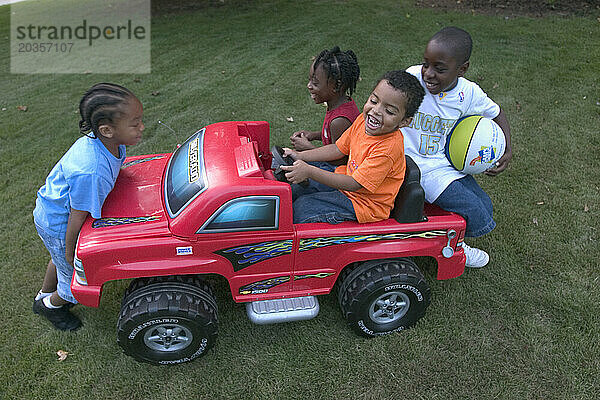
column 525, row 327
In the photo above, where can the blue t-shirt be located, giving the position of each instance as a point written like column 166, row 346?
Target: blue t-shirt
column 81, row 180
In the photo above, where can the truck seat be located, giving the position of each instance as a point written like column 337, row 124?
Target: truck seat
column 408, row 206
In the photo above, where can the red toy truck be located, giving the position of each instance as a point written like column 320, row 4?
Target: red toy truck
column 214, row 207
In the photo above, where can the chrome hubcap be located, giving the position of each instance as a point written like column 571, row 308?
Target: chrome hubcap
column 389, row 307
column 168, row 337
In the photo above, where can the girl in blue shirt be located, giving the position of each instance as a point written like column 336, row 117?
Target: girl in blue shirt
column 111, row 118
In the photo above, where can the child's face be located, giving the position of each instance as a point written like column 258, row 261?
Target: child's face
column 320, row 87
column 128, row 129
column 440, row 70
column 385, row 110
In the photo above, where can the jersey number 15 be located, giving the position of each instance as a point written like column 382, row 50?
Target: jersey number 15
column 430, row 144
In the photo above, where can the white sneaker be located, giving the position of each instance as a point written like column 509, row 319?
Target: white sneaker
column 476, row 258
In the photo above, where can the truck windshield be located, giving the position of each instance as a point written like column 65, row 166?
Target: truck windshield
column 185, row 176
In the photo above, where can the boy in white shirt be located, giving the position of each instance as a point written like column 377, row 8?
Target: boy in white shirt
column 449, row 97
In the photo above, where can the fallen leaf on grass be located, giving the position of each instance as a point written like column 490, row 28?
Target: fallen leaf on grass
column 137, row 80
column 496, row 86
column 290, row 119
column 586, row 208
column 22, row 108
column 62, row 355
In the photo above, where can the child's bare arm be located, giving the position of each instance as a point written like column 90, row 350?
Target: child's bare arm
column 301, row 171
column 502, row 163
column 74, row 224
column 337, row 127
column 328, row 152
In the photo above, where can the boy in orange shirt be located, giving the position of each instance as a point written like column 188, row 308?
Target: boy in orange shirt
column 364, row 189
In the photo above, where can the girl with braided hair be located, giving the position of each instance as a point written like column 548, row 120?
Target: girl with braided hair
column 111, row 117
column 332, row 80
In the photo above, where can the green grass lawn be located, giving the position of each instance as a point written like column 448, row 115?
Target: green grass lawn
column 525, row 327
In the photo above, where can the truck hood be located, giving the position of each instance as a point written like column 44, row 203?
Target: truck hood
column 134, row 208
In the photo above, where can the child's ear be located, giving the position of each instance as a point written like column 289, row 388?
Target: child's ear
column 106, row 130
column 462, row 70
column 405, row 122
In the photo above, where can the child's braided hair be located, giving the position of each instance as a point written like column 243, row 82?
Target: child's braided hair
column 101, row 104
column 341, row 67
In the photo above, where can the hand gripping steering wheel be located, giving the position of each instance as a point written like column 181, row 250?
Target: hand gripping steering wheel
column 280, row 159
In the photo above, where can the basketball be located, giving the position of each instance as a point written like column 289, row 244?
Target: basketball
column 474, row 144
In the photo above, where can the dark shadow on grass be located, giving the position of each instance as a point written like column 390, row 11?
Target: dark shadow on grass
column 171, row 7
column 511, row 8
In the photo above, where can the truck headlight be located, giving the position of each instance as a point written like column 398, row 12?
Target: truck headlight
column 79, row 272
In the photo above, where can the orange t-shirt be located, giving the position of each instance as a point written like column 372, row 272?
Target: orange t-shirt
column 377, row 163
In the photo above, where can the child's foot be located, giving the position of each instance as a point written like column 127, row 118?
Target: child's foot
column 42, row 295
column 61, row 317
column 476, row 258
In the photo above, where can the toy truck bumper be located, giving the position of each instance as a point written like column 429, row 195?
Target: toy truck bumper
column 86, row 294
column 451, row 267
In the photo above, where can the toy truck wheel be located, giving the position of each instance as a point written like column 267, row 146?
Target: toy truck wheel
column 385, row 296
column 167, row 322
column 188, row 282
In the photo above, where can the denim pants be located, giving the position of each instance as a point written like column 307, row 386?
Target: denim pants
column 466, row 198
column 320, row 203
column 64, row 271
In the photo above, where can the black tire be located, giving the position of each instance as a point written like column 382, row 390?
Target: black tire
column 191, row 281
column 384, row 296
column 168, row 321
column 343, row 277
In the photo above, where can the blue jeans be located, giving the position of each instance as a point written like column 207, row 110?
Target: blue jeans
column 466, row 198
column 64, row 271
column 320, row 203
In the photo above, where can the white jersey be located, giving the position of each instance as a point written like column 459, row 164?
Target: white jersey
column 425, row 137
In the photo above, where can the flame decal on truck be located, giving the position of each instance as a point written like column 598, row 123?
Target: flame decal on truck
column 263, row 286
column 244, row 256
column 140, row 160
column 315, row 243
column 104, row 222
column 319, row 275
column 247, row 255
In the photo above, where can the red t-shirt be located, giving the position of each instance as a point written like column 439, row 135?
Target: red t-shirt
column 347, row 110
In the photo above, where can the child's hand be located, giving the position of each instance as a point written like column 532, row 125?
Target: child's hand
column 501, row 164
column 291, row 153
column 301, row 133
column 298, row 172
column 300, row 140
